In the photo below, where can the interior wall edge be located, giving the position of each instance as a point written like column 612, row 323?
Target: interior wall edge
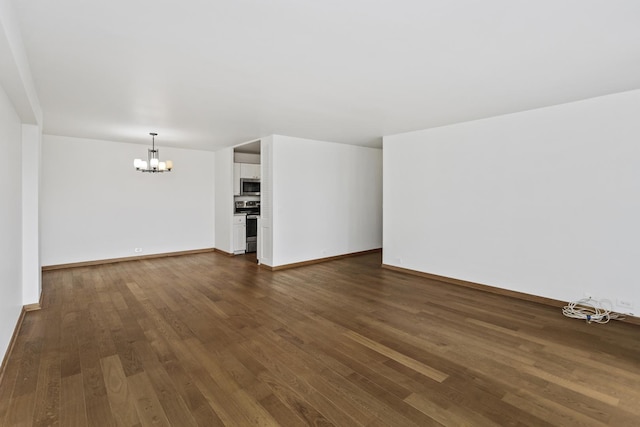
column 125, row 259
column 495, row 290
column 319, row 260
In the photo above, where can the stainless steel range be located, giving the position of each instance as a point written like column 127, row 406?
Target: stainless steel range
column 252, row 209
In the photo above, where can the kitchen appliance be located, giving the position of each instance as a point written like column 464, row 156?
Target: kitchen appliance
column 249, row 207
column 252, row 233
column 252, row 209
column 249, row 187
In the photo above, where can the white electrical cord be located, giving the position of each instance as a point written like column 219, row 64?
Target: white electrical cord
column 590, row 310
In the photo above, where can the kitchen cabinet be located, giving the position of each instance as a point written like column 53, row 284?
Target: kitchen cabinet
column 248, row 170
column 239, row 234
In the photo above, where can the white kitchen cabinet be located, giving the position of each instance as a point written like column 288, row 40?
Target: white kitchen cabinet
column 236, row 179
column 239, row 234
column 248, row 170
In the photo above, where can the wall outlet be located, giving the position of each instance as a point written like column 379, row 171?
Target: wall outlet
column 137, row 250
column 624, row 303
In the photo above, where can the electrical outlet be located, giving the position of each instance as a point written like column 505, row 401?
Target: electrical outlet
column 624, row 303
column 137, row 250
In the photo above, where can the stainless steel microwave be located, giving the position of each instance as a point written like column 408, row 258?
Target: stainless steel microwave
column 249, row 187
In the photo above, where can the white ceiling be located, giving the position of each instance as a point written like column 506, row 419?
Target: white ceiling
column 213, row 73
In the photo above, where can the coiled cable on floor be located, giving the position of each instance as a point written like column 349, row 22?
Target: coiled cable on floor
column 590, row 310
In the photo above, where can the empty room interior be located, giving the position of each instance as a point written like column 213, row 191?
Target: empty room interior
column 406, row 213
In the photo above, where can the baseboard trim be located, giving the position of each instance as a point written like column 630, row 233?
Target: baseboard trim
column 225, row 253
column 12, row 343
column 32, row 307
column 133, row 258
column 494, row 290
column 318, row 260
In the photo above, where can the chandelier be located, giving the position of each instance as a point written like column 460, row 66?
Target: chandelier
column 153, row 165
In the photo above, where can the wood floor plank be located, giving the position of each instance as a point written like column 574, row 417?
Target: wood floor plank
column 297, row 404
column 425, row 370
column 225, row 408
column 547, row 409
column 282, row 403
column 573, row 385
column 483, row 395
column 249, row 406
column 447, row 416
column 210, row 340
column 120, row 398
column 172, row 403
column 47, row 411
column 353, row 399
column 21, row 411
column 300, row 365
column 70, row 351
column 145, row 399
column 23, row 396
column 73, row 412
column 8, row 383
column 199, row 407
column 97, row 405
column 28, row 369
column 282, row 374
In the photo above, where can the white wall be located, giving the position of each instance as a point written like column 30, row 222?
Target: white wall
column 265, row 223
column 544, row 202
column 96, row 206
column 10, row 220
column 326, row 199
column 20, row 120
column 31, row 165
column 224, row 200
column 15, row 72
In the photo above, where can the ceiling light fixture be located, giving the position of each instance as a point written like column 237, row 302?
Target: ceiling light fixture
column 153, row 165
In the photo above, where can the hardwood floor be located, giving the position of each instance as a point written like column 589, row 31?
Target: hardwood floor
column 210, row 340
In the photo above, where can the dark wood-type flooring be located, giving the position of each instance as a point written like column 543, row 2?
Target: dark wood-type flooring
column 211, row 340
